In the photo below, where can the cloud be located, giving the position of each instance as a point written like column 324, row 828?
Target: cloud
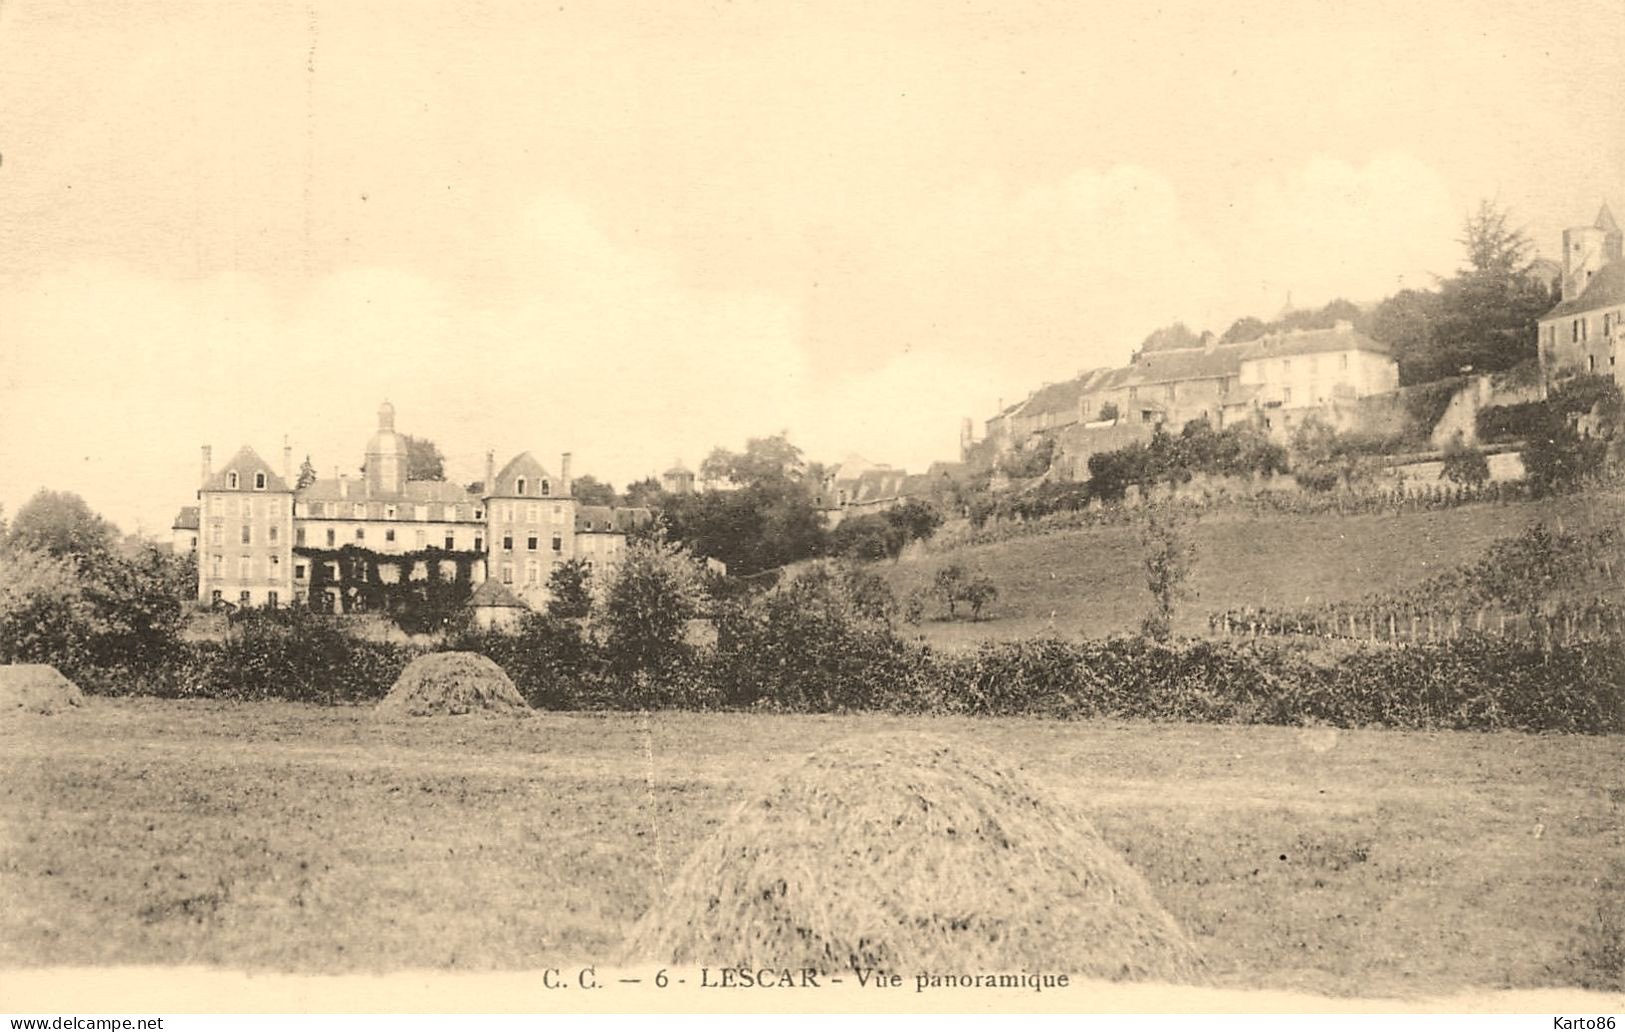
column 116, row 378
column 554, row 335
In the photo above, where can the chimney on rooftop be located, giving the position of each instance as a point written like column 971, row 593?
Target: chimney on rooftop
column 208, row 465
column 564, row 473
column 287, row 461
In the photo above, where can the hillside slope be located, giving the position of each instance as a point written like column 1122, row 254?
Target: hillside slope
column 1090, row 582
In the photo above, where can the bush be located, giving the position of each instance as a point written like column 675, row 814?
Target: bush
column 870, row 537
column 814, row 645
column 1557, row 459
column 552, row 660
column 1466, row 465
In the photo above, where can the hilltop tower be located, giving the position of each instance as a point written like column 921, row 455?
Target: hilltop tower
column 1586, row 249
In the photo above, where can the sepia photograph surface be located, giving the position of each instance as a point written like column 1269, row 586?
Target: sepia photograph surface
column 888, row 507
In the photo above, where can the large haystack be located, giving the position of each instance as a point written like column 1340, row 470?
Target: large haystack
column 912, row 855
column 449, row 684
column 37, row 688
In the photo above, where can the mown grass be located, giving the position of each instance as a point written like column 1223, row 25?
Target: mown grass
column 280, row 836
column 1090, row 583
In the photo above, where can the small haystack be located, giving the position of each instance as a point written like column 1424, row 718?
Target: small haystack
column 449, row 684
column 912, row 855
column 37, row 688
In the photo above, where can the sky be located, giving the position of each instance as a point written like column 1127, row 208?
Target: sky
column 636, row 231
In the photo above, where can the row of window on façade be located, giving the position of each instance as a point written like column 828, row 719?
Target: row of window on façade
column 448, row 538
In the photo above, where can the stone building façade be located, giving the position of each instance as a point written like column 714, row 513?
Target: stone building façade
column 260, row 536
column 1582, row 334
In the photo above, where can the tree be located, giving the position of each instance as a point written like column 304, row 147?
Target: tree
column 307, row 474
column 763, row 526
column 916, row 520
column 44, row 617
column 569, row 589
column 1483, row 318
column 979, row 593
column 869, row 537
column 949, row 586
column 648, row 602
column 1243, row 330
column 1405, row 322
column 589, row 490
column 105, row 609
column 644, row 493
column 1176, row 336
column 765, row 460
column 1108, row 411
column 1494, row 250
column 423, row 459
column 1168, row 560
column 60, row 524
column 1322, row 459
column 1111, row 472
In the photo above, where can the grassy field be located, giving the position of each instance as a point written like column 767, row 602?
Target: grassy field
column 1090, row 583
column 279, row 836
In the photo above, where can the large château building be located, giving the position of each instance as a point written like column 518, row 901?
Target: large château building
column 263, row 539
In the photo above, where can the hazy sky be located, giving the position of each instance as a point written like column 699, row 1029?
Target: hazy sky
column 636, row 230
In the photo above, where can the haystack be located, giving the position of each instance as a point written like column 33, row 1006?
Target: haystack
column 910, row 855
column 37, row 688
column 450, row 684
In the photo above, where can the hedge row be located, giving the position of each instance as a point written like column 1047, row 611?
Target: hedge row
column 1476, row 683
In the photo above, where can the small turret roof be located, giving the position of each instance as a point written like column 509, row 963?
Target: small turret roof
column 1605, row 220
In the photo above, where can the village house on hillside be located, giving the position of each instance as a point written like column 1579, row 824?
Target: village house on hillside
column 259, row 536
column 1582, row 334
column 1275, row 381
column 858, row 486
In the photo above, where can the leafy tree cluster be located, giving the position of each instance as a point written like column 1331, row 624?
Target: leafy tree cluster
column 74, row 595
column 1243, row 449
column 769, row 519
column 1033, row 459
column 1249, row 328
column 884, row 535
column 1323, row 459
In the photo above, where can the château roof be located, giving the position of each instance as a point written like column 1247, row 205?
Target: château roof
column 1205, row 363
column 1606, row 289
column 245, row 464
column 186, row 519
column 605, row 519
column 1312, row 342
column 522, row 465
column 414, row 491
column 1060, row 398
